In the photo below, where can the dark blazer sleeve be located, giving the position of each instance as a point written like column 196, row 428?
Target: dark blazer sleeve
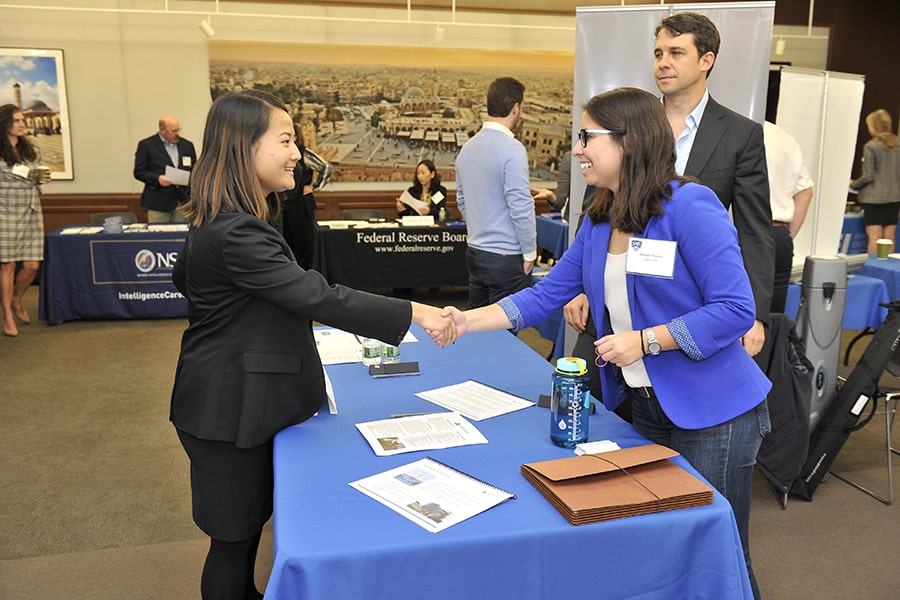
column 149, row 164
column 728, row 156
column 248, row 365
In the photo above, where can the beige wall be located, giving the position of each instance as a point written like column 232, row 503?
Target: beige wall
column 125, row 70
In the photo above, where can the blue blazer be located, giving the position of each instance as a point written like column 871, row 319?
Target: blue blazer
column 707, row 306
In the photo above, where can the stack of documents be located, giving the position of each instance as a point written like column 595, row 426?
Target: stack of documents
column 621, row 483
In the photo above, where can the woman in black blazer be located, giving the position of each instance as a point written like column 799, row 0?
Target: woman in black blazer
column 248, row 366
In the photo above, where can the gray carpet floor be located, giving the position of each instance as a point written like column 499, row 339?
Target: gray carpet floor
column 95, row 499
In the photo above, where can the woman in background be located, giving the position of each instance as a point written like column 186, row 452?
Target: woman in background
column 21, row 219
column 427, row 188
column 298, row 205
column 879, row 183
column 248, row 365
column 669, row 317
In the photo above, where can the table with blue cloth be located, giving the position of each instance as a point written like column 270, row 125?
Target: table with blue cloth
column 110, row 276
column 331, row 541
column 862, row 308
column 552, row 233
column 887, row 270
column 853, row 235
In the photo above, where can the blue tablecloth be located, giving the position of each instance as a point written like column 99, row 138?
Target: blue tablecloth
column 110, row 276
column 552, row 234
column 853, row 235
column 887, row 270
column 861, row 310
column 331, row 541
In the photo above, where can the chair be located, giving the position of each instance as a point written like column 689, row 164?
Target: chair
column 362, row 214
column 127, row 216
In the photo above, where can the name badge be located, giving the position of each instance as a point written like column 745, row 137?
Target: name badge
column 21, row 170
column 185, row 161
column 655, row 258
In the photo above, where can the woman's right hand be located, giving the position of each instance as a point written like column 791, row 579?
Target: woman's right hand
column 400, row 206
column 576, row 312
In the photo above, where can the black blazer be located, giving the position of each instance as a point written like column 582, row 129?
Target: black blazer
column 728, row 156
column 248, row 366
column 150, row 161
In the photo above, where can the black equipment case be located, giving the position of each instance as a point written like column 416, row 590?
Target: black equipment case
column 843, row 415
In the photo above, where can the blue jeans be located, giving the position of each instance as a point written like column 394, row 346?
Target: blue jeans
column 724, row 454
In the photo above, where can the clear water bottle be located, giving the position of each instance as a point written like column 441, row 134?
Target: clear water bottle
column 390, row 353
column 570, row 402
column 371, row 352
column 442, row 215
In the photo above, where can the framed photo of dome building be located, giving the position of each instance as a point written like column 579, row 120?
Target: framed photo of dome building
column 35, row 81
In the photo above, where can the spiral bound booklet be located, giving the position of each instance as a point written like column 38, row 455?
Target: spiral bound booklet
column 431, row 494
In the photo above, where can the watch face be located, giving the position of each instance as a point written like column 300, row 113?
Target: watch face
column 655, row 348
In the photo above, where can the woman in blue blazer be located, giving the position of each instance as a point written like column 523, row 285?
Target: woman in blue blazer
column 659, row 256
column 248, row 366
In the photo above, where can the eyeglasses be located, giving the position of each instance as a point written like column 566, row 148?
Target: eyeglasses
column 583, row 135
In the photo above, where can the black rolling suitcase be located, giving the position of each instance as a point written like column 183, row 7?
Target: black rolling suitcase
column 843, row 415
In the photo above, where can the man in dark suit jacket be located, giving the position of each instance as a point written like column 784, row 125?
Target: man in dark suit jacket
column 161, row 197
column 722, row 149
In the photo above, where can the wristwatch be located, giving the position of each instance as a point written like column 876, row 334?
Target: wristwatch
column 653, row 346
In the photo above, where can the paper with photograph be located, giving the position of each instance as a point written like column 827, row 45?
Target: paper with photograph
column 430, row 431
column 431, row 494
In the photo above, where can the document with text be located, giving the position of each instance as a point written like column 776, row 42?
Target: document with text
column 475, row 400
column 431, row 494
column 431, row 431
column 416, row 204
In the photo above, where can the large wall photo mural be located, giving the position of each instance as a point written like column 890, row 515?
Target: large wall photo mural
column 375, row 111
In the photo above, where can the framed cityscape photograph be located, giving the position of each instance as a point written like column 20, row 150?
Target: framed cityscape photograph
column 375, row 111
column 34, row 80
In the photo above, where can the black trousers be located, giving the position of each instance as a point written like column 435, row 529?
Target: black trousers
column 784, row 261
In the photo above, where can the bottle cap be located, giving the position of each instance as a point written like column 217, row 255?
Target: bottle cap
column 571, row 366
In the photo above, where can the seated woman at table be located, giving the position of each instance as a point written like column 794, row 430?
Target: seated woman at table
column 659, row 256
column 426, row 188
column 248, row 365
column 879, row 183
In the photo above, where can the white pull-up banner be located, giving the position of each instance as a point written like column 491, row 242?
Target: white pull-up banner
column 821, row 109
column 614, row 48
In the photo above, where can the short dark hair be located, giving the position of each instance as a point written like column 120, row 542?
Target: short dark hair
column 223, row 179
column 639, row 125
column 706, row 35
column 503, row 94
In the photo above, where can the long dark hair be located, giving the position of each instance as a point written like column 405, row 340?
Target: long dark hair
column 223, row 179
column 23, row 150
column 640, row 127
column 435, row 183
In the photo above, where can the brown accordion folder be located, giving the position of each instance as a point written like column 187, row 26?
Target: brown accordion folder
column 621, row 483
